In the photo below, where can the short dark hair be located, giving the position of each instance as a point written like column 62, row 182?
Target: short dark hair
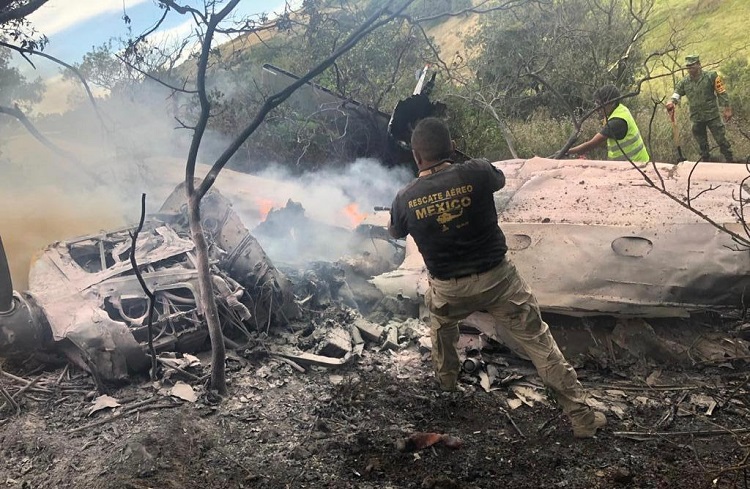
column 606, row 94
column 432, row 139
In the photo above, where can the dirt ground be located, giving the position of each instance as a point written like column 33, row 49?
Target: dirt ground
column 680, row 427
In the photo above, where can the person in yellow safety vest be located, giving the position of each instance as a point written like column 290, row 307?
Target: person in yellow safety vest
column 620, row 131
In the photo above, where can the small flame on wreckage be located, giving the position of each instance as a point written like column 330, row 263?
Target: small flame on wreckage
column 264, row 207
column 354, row 215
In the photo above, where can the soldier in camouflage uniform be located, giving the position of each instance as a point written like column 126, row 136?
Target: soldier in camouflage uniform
column 706, row 92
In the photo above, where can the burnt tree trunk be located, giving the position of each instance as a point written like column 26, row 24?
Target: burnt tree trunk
column 206, row 294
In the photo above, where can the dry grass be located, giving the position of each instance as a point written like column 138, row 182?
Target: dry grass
column 543, row 136
column 714, row 28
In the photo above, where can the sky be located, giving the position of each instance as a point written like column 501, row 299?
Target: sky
column 75, row 26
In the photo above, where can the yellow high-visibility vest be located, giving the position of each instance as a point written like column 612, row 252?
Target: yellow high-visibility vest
column 631, row 146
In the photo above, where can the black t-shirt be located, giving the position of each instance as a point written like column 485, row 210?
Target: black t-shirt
column 615, row 128
column 452, row 217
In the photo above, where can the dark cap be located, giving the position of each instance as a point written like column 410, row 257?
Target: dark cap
column 692, row 59
column 606, row 94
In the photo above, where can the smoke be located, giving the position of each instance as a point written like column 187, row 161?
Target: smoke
column 93, row 178
column 334, row 203
column 47, row 196
column 326, row 194
column 30, row 222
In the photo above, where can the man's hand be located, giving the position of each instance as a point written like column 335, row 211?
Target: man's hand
column 727, row 114
column 670, row 107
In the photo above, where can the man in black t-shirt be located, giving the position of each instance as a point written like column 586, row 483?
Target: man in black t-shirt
column 450, row 212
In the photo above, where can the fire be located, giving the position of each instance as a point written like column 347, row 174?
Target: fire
column 264, row 207
column 353, row 213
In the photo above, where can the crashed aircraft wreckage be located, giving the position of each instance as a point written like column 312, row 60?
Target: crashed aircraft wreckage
column 592, row 238
column 85, row 300
column 589, row 236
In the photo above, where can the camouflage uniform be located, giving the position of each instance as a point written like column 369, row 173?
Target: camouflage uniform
column 703, row 94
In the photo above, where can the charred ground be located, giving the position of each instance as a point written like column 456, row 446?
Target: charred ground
column 669, row 425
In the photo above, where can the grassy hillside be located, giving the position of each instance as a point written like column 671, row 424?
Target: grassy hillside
column 716, row 29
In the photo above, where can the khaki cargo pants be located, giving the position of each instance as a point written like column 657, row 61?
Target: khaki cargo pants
column 502, row 293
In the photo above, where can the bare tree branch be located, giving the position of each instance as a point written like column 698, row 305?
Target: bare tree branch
column 273, row 101
column 144, row 287
column 132, row 45
column 479, row 100
column 21, row 117
column 155, row 78
column 183, row 9
column 205, row 284
column 66, row 65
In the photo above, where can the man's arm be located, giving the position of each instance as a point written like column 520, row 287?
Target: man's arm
column 598, row 140
column 394, row 232
column 497, row 177
column 679, row 92
column 723, row 97
column 615, row 128
column 397, row 226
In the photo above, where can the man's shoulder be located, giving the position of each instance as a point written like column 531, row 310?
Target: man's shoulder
column 707, row 76
column 478, row 160
column 615, row 121
column 407, row 188
column 478, row 163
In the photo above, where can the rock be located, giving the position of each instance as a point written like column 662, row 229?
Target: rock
column 370, row 331
column 622, row 475
column 336, row 343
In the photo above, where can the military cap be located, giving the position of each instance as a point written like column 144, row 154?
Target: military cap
column 692, row 59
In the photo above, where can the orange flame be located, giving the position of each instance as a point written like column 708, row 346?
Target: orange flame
column 353, row 213
column 264, row 207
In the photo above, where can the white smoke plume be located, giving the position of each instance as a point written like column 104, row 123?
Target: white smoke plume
column 47, row 197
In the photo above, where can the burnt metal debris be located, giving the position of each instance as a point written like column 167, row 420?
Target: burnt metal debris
column 588, row 237
column 85, row 300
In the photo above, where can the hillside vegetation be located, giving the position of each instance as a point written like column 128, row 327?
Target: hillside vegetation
column 486, row 66
column 715, row 29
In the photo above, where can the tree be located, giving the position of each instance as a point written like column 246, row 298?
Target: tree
column 209, row 22
column 18, row 35
column 546, row 56
column 16, row 92
column 15, row 89
column 14, row 25
column 555, row 54
column 309, row 130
